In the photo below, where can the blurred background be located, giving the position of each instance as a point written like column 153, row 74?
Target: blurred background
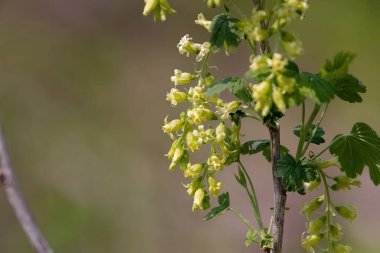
column 82, row 101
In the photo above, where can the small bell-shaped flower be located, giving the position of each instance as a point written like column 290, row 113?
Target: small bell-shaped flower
column 175, row 97
column 214, row 186
column 193, row 171
column 348, row 212
column 181, row 78
column 198, row 199
column 202, row 21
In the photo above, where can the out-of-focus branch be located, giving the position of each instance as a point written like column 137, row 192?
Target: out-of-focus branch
column 18, row 203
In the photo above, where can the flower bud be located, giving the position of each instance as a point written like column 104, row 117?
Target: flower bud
column 311, row 206
column 317, row 225
column 214, row 186
column 191, row 141
column 313, row 184
column 344, row 182
column 278, row 99
column 193, row 186
column 340, row 248
column 181, row 78
column 213, row 3
column 232, row 106
column 193, row 171
column 203, row 22
column 336, row 231
column 173, row 148
column 178, row 153
column 150, row 5
column 347, row 212
column 175, row 96
column 172, row 126
column 311, row 240
column 198, row 199
column 209, row 80
column 220, row 133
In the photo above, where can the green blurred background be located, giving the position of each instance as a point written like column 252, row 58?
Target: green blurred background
column 82, row 100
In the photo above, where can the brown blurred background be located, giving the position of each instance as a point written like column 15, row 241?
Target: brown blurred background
column 82, row 100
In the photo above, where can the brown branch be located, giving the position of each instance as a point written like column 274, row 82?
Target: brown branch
column 278, row 187
column 18, row 203
column 279, row 192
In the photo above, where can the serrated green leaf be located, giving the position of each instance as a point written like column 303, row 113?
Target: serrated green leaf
column 257, row 146
column 224, row 205
column 348, row 89
column 358, row 149
column 235, row 85
column 316, row 88
column 223, row 33
column 317, row 138
column 250, row 237
column 337, row 68
column 294, row 174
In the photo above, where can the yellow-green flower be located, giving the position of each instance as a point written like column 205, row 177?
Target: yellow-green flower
column 220, row 133
column 187, row 46
column 199, row 114
column 175, row 96
column 203, row 136
column 214, row 186
column 181, row 78
column 277, row 63
column 192, row 141
column 213, row 3
column 262, row 95
column 202, row 21
column 172, row 126
column 204, row 50
column 197, row 95
column 198, row 199
column 311, row 240
column 192, row 187
column 215, row 163
column 193, row 171
column 159, row 7
column 348, row 212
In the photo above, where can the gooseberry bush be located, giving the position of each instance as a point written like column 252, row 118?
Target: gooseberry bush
column 272, row 83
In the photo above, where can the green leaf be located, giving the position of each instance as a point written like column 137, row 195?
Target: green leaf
column 317, row 138
column 224, row 205
column 294, row 174
column 358, row 149
column 235, row 85
column 223, row 33
column 337, row 68
column 318, row 89
column 257, row 146
column 250, row 237
column 348, row 89
column 259, row 75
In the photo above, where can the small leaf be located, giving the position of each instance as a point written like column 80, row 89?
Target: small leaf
column 318, row 89
column 241, row 177
column 223, row 33
column 294, row 174
column 317, row 138
column 257, row 146
column 348, row 89
column 224, row 205
column 358, row 149
column 337, row 68
column 235, row 85
column 250, row 237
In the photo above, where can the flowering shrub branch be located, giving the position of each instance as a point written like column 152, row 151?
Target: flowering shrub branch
column 272, row 84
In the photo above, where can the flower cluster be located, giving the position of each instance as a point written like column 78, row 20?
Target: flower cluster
column 194, row 128
column 275, row 87
column 323, row 226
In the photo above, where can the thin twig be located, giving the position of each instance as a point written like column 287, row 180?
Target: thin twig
column 18, row 203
